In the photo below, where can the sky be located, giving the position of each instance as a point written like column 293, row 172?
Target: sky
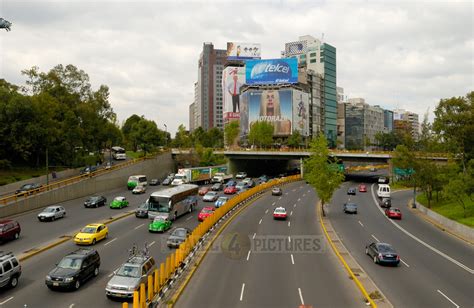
column 396, row 54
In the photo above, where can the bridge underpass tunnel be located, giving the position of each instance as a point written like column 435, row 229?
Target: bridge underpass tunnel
column 258, row 167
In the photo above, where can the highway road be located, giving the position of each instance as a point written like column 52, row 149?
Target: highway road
column 113, row 251
column 268, row 276
column 436, row 268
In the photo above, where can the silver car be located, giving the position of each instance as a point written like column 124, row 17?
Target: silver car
column 52, row 213
column 210, row 196
column 129, row 276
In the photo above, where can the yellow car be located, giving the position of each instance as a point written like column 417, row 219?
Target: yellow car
column 91, row 234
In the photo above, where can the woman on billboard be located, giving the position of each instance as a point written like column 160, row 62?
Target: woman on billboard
column 270, row 111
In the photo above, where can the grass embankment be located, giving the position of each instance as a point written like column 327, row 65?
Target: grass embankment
column 451, row 209
column 19, row 174
column 134, row 155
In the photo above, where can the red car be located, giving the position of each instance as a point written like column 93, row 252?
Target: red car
column 206, row 212
column 230, row 190
column 362, row 188
column 9, row 230
column 279, row 213
column 393, row 212
column 203, row 190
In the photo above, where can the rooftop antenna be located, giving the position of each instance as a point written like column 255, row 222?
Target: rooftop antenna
column 322, row 38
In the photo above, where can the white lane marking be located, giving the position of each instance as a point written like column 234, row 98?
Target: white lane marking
column 404, row 263
column 72, row 305
column 421, row 241
column 253, row 237
column 292, row 260
column 279, row 198
column 266, row 211
column 289, row 239
column 294, row 190
column 375, row 238
column 110, row 241
column 139, row 226
column 260, row 221
column 286, row 193
column 6, row 301
column 301, row 296
column 248, row 255
column 273, row 203
column 189, row 218
column 294, row 205
column 304, row 195
column 151, row 244
column 242, row 292
column 309, row 191
column 291, row 213
column 452, row 302
column 361, row 223
column 289, row 223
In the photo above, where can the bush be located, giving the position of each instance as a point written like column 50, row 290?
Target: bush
column 5, row 164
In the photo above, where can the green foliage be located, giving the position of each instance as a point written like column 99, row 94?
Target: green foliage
column 261, row 134
column 320, row 173
column 146, row 135
column 182, row 138
column 231, row 131
column 295, row 140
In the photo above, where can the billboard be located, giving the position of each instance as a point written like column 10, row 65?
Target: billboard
column 242, row 51
column 295, row 48
column 272, row 106
column 232, row 80
column 301, row 112
column 272, row 71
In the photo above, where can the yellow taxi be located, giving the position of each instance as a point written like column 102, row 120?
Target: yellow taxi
column 91, row 234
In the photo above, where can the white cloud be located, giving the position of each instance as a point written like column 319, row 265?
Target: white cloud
column 405, row 54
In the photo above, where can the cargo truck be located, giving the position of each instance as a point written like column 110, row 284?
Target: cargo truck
column 198, row 175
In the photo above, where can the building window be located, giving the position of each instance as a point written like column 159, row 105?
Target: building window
column 313, row 54
column 312, row 61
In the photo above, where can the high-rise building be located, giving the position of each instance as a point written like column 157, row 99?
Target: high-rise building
column 363, row 122
column 388, row 120
column 341, row 118
column 192, row 116
column 404, row 120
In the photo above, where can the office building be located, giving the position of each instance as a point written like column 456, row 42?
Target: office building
column 388, row 121
column 362, row 123
column 407, row 121
column 341, row 118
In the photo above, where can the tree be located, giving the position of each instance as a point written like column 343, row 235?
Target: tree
column 261, row 134
column 182, row 138
column 295, row 139
column 458, row 190
column 231, row 131
column 214, row 138
column 320, row 173
column 127, row 129
column 146, row 135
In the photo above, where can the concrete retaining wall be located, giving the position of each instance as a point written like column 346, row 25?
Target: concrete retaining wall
column 153, row 168
column 455, row 227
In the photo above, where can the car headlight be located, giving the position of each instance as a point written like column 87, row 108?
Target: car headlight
column 48, row 277
column 131, row 288
column 68, row 279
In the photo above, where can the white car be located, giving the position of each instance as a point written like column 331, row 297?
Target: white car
column 210, row 196
column 52, row 213
column 246, row 181
column 241, row 175
column 139, row 189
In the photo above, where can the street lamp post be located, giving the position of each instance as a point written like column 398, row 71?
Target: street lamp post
column 166, row 135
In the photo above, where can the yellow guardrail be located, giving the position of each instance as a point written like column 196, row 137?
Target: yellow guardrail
column 174, row 261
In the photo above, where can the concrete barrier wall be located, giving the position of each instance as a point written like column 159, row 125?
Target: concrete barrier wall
column 157, row 167
column 455, row 227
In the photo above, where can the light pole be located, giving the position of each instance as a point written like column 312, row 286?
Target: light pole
column 166, row 135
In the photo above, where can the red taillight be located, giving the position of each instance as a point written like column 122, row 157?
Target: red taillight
column 398, row 258
column 380, row 256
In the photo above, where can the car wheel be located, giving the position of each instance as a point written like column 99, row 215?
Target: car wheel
column 13, row 281
column 96, row 271
column 17, row 235
column 77, row 285
column 376, row 260
column 93, row 242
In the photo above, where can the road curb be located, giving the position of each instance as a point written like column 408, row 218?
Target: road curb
column 367, row 284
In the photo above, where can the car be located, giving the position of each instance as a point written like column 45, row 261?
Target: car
column 350, row 208
column 119, row 202
column 142, row 210
column 167, row 181
column 276, row 191
column 279, row 213
column 385, row 202
column 362, row 188
column 177, row 236
column 88, row 170
column 243, row 189
column 95, row 201
column 28, row 188
column 52, row 213
column 231, row 183
column 372, row 169
column 11, row 270
column 251, row 183
column 221, row 201
column 393, row 212
column 139, row 189
column 217, row 187
column 206, row 212
column 383, row 180
column 74, row 269
column 351, row 191
column 91, row 234
column 241, row 175
column 203, row 190
column 230, row 190
column 154, row 182
column 246, row 180
column 382, row 253
column 9, row 230
column 129, row 276
column 160, row 224
column 241, row 185
column 263, row 179
column 108, row 165
column 211, row 196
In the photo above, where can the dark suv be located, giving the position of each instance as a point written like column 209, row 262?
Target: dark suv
column 9, row 230
column 74, row 269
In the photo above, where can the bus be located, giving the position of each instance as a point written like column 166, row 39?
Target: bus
column 173, row 202
column 118, row 153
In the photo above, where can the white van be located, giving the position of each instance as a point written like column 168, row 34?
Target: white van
column 383, row 191
column 136, row 180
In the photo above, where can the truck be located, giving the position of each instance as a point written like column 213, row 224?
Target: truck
column 221, row 177
column 197, row 175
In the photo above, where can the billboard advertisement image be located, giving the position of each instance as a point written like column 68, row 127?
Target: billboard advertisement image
column 274, row 106
column 244, row 113
column 272, row 71
column 295, row 48
column 301, row 112
column 232, row 80
column 242, row 51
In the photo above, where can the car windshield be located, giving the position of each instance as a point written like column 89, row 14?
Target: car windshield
column 132, row 271
column 280, row 211
column 26, row 186
column 93, row 198
column 49, row 209
column 89, row 230
column 351, row 205
column 159, row 204
column 179, row 233
column 159, row 219
column 395, row 210
column 211, row 194
column 70, row 263
column 206, row 211
column 143, row 206
column 222, row 199
column 118, row 199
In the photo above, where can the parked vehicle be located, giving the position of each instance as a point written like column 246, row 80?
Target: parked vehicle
column 52, row 213
column 9, row 230
column 74, row 269
column 95, row 201
column 11, row 270
column 382, row 253
column 28, row 188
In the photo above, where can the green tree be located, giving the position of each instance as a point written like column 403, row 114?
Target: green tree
column 261, row 134
column 182, row 138
column 320, row 172
column 214, row 138
column 458, row 190
column 231, row 131
column 127, row 130
column 146, row 135
column 295, row 139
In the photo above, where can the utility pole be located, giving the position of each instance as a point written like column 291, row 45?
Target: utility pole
column 166, row 135
column 47, row 168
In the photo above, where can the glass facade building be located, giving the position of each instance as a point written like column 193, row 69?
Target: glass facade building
column 328, row 58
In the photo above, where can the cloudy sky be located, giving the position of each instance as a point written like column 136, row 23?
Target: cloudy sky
column 395, row 54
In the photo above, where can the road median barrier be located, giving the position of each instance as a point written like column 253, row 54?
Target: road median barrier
column 371, row 293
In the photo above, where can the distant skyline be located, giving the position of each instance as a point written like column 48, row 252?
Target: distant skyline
column 396, row 54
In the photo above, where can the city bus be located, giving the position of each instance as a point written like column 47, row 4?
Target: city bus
column 173, row 202
column 118, row 153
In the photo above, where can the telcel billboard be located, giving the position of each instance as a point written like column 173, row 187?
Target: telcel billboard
column 272, row 71
column 242, row 51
